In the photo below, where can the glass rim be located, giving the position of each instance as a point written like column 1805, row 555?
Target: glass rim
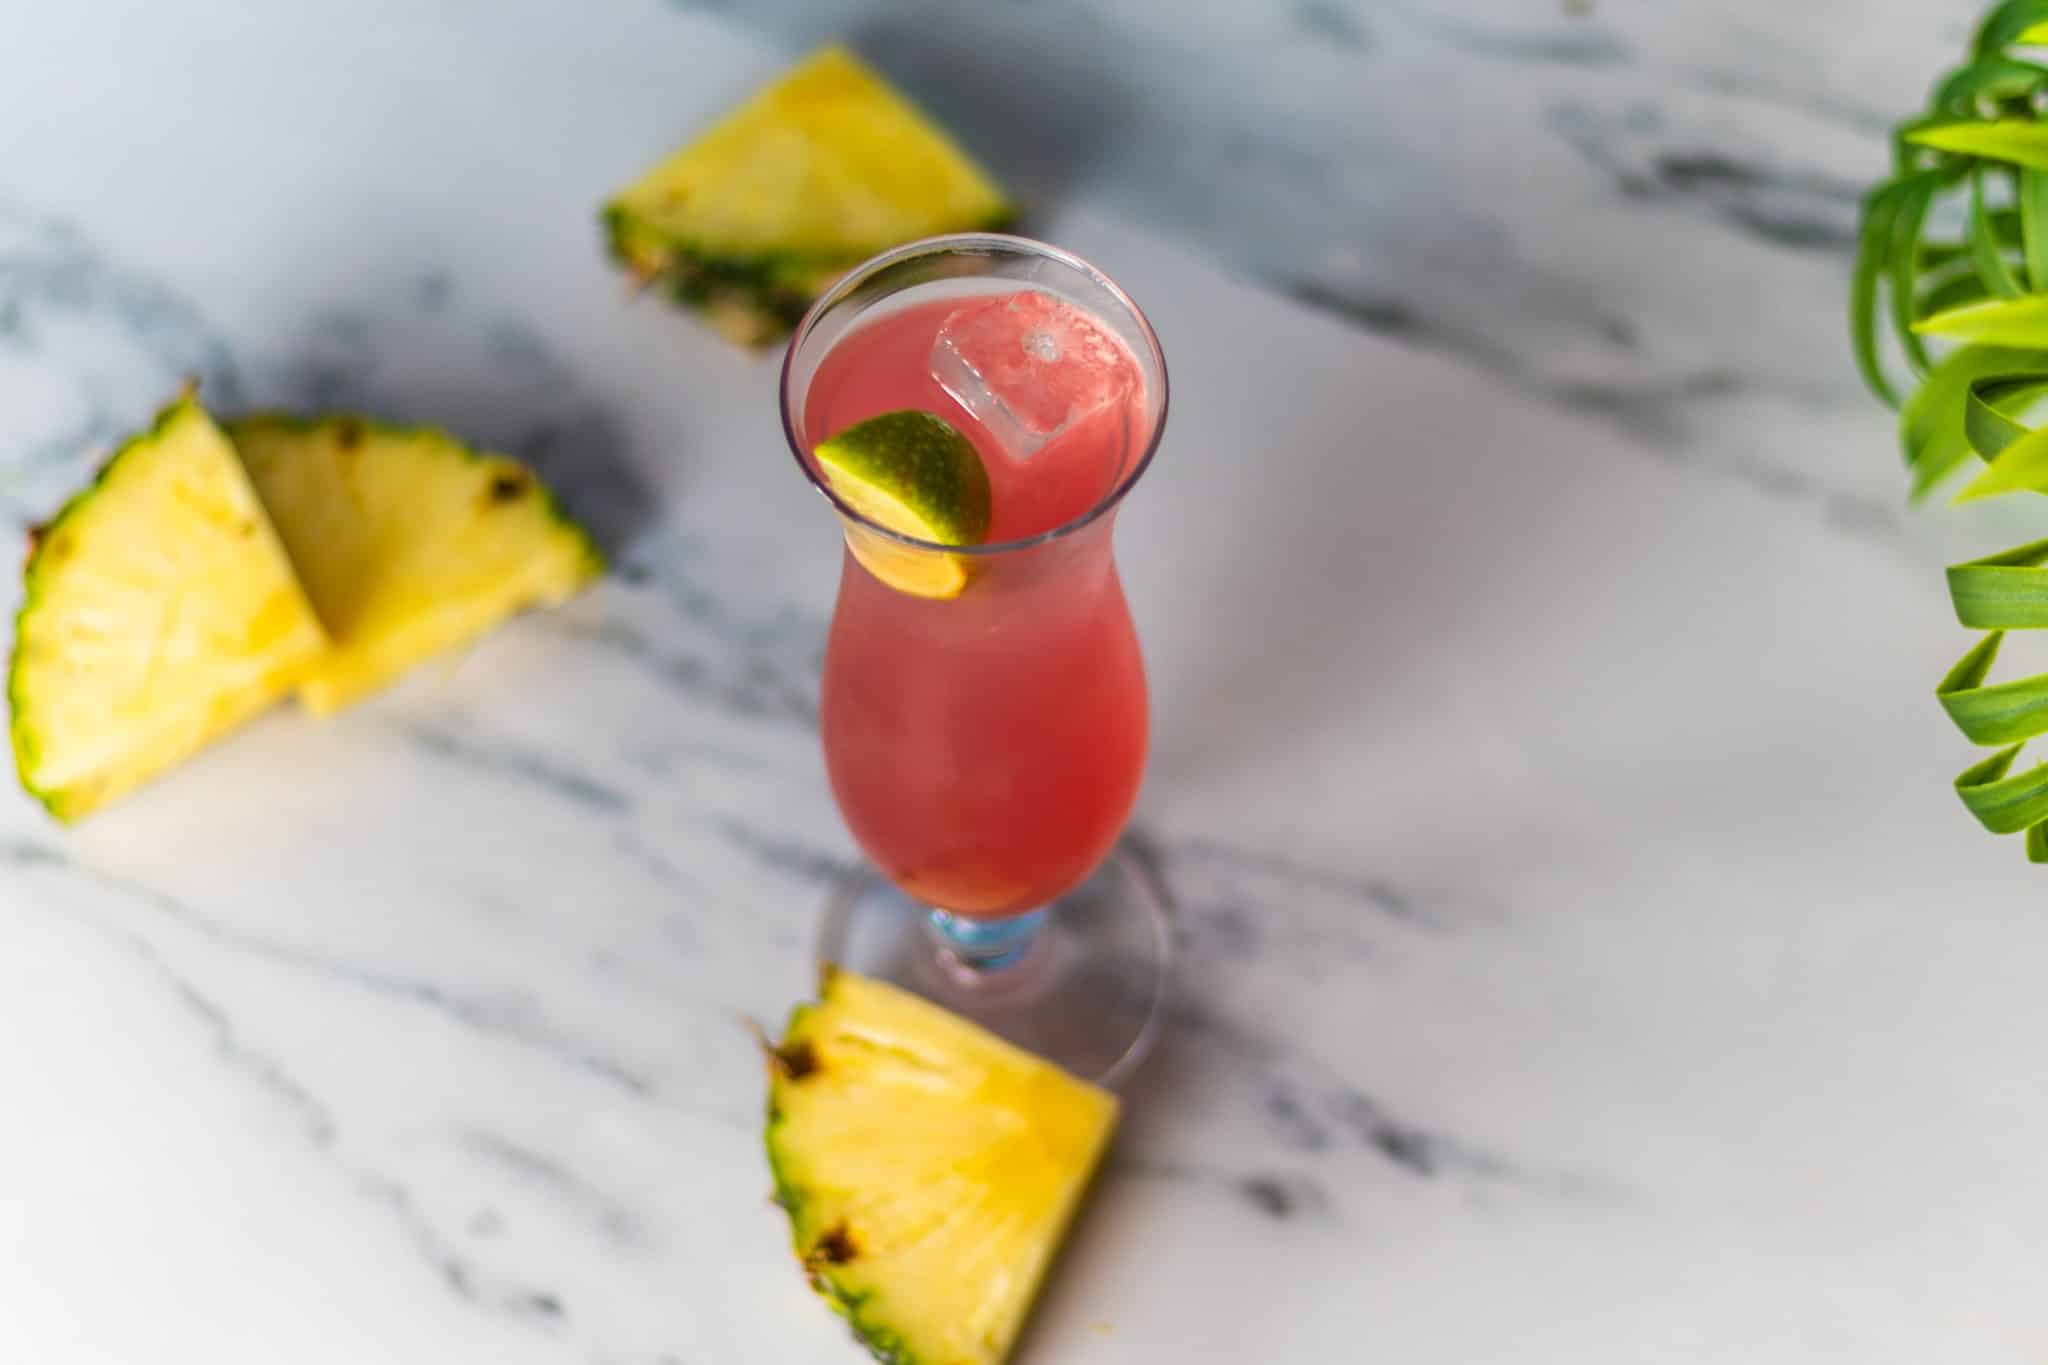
column 965, row 242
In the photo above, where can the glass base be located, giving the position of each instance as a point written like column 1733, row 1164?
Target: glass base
column 1081, row 983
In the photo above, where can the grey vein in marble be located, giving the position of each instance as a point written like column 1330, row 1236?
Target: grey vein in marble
column 662, row 758
column 1281, row 1196
column 501, row 758
column 117, row 331
column 1307, row 1108
column 786, row 855
column 1577, row 41
column 1369, row 893
column 1327, row 21
column 612, row 1217
column 315, row 1121
column 772, row 686
column 509, row 1020
column 1665, row 415
column 1859, row 116
column 1793, row 207
column 461, row 1273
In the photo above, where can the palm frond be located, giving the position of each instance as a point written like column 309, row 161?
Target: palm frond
column 1953, row 332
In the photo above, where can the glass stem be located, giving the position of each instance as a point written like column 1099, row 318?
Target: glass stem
column 984, row 945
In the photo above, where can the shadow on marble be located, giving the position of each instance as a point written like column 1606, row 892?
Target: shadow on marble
column 1042, row 136
column 497, row 385
column 1274, row 660
column 1035, row 106
column 87, row 346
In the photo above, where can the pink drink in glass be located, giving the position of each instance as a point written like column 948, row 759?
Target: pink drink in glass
column 986, row 749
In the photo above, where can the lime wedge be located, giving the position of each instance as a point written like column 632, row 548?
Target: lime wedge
column 916, row 474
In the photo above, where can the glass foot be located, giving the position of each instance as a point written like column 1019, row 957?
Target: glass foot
column 1086, row 991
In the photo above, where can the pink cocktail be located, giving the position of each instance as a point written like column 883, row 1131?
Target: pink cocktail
column 986, row 748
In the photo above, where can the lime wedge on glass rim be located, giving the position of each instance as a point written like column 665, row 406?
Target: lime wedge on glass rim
column 916, row 474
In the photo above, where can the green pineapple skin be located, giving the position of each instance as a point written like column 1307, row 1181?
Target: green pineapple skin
column 21, row 738
column 883, row 1343
column 841, row 1280
column 771, row 289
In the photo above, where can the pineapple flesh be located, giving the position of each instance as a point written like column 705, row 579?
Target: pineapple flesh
column 159, row 611
column 814, row 174
column 409, row 542
column 929, row 1169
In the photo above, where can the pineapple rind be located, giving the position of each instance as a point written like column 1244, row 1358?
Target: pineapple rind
column 752, row 262
column 351, row 672
column 64, row 804
column 873, row 1322
column 754, row 299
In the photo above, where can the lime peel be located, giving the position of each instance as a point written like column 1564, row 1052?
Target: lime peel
column 916, row 474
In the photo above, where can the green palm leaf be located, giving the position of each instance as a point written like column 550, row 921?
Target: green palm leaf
column 1993, row 79
column 2005, row 804
column 2019, row 141
column 2016, row 459
column 2033, row 206
column 1995, row 713
column 1931, row 429
column 1969, row 315
column 1996, row 322
column 1985, row 253
column 2008, row 25
column 1880, row 211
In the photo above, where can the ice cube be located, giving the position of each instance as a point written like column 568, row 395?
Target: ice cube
column 1028, row 366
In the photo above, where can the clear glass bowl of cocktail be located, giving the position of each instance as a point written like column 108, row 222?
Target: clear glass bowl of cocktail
column 983, row 706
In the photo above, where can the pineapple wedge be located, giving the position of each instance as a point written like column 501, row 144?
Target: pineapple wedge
column 159, row 612
column 408, row 541
column 814, row 174
column 929, row 1169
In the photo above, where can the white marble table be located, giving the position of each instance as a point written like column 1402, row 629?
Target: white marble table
column 1585, row 959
